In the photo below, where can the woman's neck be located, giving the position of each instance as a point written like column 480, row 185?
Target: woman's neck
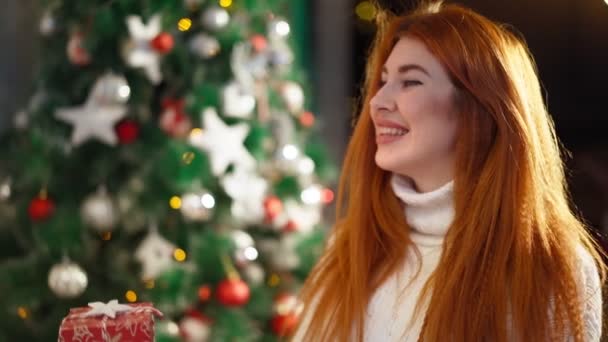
column 429, row 214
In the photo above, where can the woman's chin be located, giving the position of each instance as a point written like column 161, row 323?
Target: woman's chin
column 390, row 164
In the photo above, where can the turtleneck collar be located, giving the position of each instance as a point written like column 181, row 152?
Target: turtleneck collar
column 429, row 214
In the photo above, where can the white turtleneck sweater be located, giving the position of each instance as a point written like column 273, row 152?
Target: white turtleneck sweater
column 390, row 312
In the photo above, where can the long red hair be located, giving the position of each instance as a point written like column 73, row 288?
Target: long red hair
column 512, row 251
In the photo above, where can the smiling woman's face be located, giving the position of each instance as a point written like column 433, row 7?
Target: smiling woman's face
column 414, row 114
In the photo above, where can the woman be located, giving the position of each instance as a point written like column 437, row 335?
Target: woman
column 454, row 221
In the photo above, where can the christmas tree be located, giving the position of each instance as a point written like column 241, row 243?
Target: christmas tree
column 168, row 155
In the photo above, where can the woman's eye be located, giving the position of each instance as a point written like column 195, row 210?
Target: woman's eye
column 407, row 83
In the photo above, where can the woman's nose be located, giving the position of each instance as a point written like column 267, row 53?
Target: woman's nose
column 383, row 100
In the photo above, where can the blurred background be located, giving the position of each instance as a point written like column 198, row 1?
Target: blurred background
column 568, row 39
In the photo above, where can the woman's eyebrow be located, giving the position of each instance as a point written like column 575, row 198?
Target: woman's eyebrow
column 407, row 67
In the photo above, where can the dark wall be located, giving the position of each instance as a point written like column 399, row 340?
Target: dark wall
column 18, row 32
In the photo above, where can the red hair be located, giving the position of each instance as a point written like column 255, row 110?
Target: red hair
column 512, row 252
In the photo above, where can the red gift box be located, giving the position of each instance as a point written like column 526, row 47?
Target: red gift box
column 109, row 322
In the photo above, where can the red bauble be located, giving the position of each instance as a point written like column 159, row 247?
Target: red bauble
column 127, row 131
column 290, row 226
column 233, row 292
column 284, row 325
column 162, row 43
column 174, row 120
column 272, row 207
column 40, row 209
column 204, row 293
column 76, row 52
column 307, row 119
column 258, row 42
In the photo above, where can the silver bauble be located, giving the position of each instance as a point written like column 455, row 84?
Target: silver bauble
column 293, row 96
column 111, row 89
column 204, row 46
column 197, row 206
column 99, row 212
column 67, row 280
column 237, row 102
column 215, row 18
column 48, row 24
column 5, row 189
column 253, row 273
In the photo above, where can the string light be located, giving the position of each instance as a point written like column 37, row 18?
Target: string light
column 274, row 280
column 184, row 24
column 179, row 254
column 365, row 10
column 175, row 202
column 225, row 3
column 22, row 312
column 131, row 296
column 188, row 157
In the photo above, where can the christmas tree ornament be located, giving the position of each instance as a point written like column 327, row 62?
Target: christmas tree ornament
column 281, row 253
column 166, row 329
column 248, row 66
column 258, row 42
column 93, row 120
column 195, row 328
column 215, row 18
column 204, row 46
column 233, row 292
column 99, row 212
column 307, row 119
column 278, row 28
column 138, row 52
column 110, row 89
column 223, row 143
column 204, row 293
column 197, row 206
column 76, row 52
column 284, row 325
column 41, row 207
column 21, row 121
column 245, row 255
column 297, row 216
column 273, row 207
column 48, row 24
column 237, row 101
column 293, row 96
column 306, row 166
column 67, row 280
column 174, row 120
column 127, row 131
column 245, row 251
column 285, row 303
column 163, row 42
column 5, row 189
column 254, row 273
column 247, row 191
column 279, row 56
column 155, row 253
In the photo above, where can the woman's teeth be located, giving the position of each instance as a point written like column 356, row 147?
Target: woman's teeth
column 391, row 131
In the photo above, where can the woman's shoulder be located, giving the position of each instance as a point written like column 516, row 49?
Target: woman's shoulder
column 588, row 273
column 590, row 288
